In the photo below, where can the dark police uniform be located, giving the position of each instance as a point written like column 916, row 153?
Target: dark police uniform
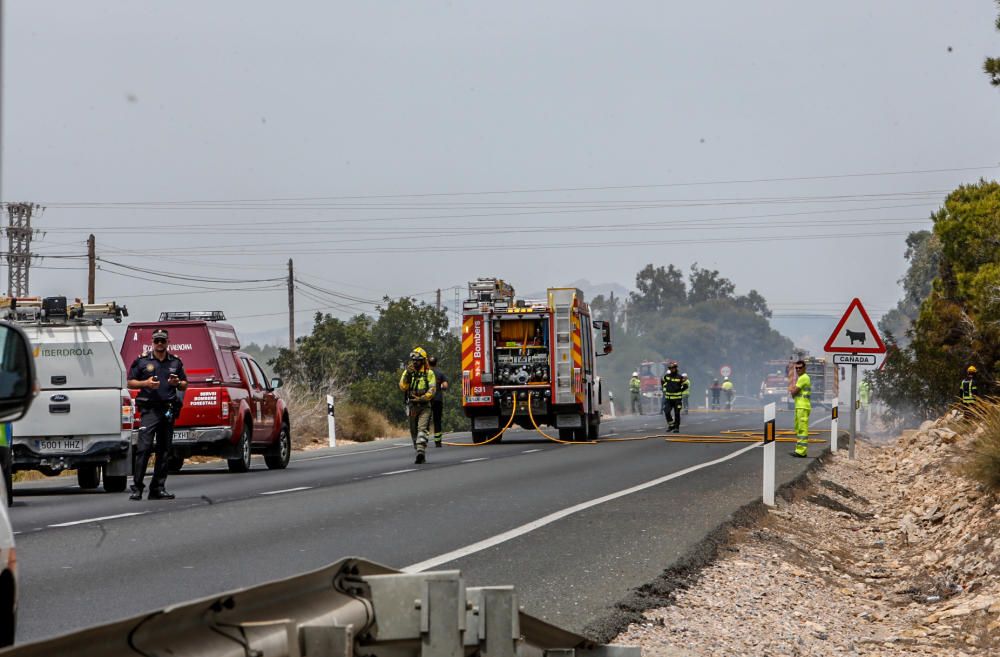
column 159, row 408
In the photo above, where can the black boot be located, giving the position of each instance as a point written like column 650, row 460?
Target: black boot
column 136, row 493
column 420, row 458
column 160, row 494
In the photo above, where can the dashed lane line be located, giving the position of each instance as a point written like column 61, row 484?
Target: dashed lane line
column 86, row 520
column 530, row 451
column 395, row 472
column 286, row 490
column 482, row 458
column 366, row 451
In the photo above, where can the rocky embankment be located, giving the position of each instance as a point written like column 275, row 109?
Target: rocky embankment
column 893, row 553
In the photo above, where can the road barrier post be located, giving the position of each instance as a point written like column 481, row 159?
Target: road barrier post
column 331, row 426
column 706, row 400
column 769, row 436
column 611, row 401
column 834, row 412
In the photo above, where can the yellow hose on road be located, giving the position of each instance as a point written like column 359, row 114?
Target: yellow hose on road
column 500, row 433
column 555, row 440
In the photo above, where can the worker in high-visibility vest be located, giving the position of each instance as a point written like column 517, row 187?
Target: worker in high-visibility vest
column 635, row 393
column 727, row 389
column 801, row 391
column 686, row 399
column 969, row 389
column 864, row 393
column 6, row 433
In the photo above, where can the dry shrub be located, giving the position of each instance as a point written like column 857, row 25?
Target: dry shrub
column 983, row 460
column 355, row 422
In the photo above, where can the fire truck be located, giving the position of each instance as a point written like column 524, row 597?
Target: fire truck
column 822, row 374
column 531, row 361
column 651, row 386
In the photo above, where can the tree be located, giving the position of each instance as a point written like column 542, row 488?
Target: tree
column 923, row 252
column 992, row 64
column 705, row 285
column 659, row 289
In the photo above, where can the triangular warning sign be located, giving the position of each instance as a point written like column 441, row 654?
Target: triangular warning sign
column 855, row 333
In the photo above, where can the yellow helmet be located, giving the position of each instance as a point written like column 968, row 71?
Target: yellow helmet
column 972, row 369
column 418, row 353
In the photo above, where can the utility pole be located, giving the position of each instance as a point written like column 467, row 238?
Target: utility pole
column 91, row 268
column 291, row 307
column 439, row 300
column 19, row 247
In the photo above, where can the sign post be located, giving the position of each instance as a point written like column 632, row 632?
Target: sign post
column 769, row 436
column 834, row 412
column 331, row 426
column 854, row 342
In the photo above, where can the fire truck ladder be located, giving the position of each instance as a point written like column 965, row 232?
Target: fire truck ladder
column 561, row 302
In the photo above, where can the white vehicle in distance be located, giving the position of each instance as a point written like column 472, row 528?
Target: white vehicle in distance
column 17, row 389
column 84, row 422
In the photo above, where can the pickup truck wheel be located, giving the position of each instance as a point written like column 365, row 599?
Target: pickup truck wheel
column 277, row 457
column 242, row 462
column 174, row 463
column 115, row 483
column 88, row 477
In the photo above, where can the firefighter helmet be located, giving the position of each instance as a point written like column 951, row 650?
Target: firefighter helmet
column 972, row 369
column 635, row 374
column 418, row 354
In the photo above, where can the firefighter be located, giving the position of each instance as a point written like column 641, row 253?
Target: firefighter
column 969, row 389
column 673, row 396
column 716, row 390
column 727, row 387
column 419, row 385
column 437, row 404
column 801, row 391
column 686, row 399
column 635, row 391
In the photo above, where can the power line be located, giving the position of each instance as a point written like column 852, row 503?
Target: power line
column 183, row 277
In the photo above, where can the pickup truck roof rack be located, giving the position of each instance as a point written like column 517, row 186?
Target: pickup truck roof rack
column 189, row 315
column 55, row 310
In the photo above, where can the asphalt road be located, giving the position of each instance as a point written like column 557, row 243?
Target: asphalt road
column 527, row 512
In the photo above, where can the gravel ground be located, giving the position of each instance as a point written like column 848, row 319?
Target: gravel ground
column 893, row 553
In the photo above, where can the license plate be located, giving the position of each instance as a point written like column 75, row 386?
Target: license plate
column 181, row 436
column 51, row 445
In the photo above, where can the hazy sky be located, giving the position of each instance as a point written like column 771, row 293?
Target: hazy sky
column 216, row 140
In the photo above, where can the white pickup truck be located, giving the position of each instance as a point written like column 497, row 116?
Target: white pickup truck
column 82, row 417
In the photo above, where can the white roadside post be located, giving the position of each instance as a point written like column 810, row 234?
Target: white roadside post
column 769, row 435
column 331, row 426
column 611, row 401
column 706, row 400
column 834, row 412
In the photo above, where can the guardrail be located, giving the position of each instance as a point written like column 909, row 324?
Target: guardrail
column 350, row 608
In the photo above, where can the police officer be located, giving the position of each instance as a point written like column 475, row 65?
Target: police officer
column 969, row 389
column 419, row 385
column 634, row 391
column 673, row 397
column 158, row 376
column 437, row 404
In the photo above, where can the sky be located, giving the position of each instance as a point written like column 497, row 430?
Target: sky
column 393, row 148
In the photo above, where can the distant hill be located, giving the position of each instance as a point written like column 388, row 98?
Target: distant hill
column 590, row 290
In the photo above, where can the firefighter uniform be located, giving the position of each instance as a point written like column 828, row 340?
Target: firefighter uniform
column 635, row 393
column 673, row 398
column 727, row 387
column 159, row 408
column 437, row 404
column 686, row 399
column 419, row 384
column 969, row 390
column 803, row 407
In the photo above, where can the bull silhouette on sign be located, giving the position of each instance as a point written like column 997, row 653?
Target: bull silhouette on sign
column 855, row 335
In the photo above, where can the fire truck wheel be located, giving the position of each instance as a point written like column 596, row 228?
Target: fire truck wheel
column 242, row 462
column 594, row 429
column 567, row 434
column 88, row 477
column 479, row 437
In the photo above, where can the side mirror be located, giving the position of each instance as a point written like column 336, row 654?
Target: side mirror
column 17, row 373
column 605, row 329
column 276, row 383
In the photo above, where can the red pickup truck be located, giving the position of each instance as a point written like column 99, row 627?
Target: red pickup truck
column 230, row 407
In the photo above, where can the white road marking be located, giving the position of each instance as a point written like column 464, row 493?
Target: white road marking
column 367, row 451
column 399, row 471
column 530, row 451
column 86, row 520
column 286, row 490
column 481, row 458
column 559, row 515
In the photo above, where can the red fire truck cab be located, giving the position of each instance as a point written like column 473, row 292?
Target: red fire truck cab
column 530, row 362
column 230, row 407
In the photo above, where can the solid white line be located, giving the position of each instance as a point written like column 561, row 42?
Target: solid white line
column 481, row 458
column 286, row 490
column 559, row 515
column 367, row 451
column 80, row 522
column 530, row 451
column 399, row 471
